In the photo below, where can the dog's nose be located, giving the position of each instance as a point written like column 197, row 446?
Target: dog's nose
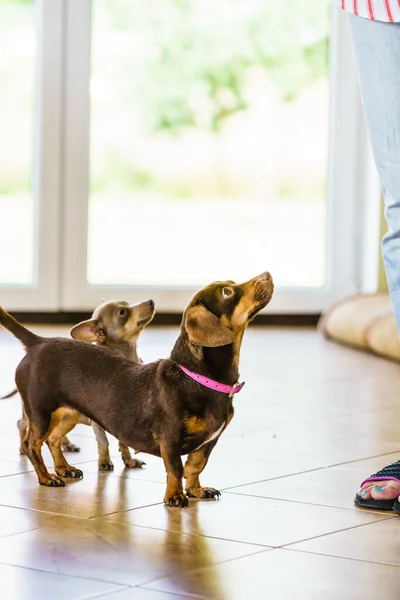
column 151, row 303
column 265, row 276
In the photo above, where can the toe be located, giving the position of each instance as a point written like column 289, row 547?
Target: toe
column 134, row 464
column 106, row 466
column 71, row 448
column 385, row 490
column 179, row 501
column 365, row 492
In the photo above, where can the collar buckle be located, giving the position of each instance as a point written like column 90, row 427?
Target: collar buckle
column 235, row 388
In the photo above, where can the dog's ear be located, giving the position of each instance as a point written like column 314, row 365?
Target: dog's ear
column 205, row 329
column 88, row 331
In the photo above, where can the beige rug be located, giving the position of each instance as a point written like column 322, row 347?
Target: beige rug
column 365, row 322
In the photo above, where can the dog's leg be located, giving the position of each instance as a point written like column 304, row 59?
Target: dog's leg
column 104, row 462
column 22, row 425
column 132, row 463
column 174, row 495
column 68, row 446
column 58, row 428
column 32, row 448
column 61, row 466
column 194, row 465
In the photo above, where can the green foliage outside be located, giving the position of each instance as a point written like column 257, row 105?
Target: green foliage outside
column 205, row 49
column 185, row 65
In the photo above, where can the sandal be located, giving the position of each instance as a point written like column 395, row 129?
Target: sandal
column 389, row 473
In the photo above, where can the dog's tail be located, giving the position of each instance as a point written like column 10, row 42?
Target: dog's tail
column 24, row 335
column 9, row 395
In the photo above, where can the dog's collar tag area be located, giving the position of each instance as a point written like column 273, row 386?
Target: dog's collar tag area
column 236, row 388
column 214, row 385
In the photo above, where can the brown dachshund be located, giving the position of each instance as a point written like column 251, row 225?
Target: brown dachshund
column 159, row 408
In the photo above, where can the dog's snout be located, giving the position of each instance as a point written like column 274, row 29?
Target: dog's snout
column 266, row 276
column 151, row 303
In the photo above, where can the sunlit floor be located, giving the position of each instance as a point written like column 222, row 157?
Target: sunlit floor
column 313, row 420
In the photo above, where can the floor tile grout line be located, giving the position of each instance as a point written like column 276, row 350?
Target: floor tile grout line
column 356, row 510
column 145, row 583
column 266, row 546
column 323, row 535
column 93, row 596
column 64, row 515
column 118, row 512
column 332, row 466
column 37, row 570
column 292, row 474
column 46, row 512
column 16, row 533
column 138, row 587
column 358, row 560
column 104, row 474
column 104, row 515
column 233, row 487
column 123, row 588
column 350, row 462
column 16, row 474
column 221, row 562
column 281, row 548
column 183, row 594
column 213, row 537
column 112, row 474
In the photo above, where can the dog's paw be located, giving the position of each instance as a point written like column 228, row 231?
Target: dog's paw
column 69, row 472
column 51, row 481
column 178, row 500
column 203, row 492
column 106, row 465
column 133, row 463
column 70, row 447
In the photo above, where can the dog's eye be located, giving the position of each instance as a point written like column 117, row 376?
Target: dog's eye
column 226, row 292
column 122, row 312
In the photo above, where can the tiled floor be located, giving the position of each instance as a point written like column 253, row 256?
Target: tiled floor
column 313, row 420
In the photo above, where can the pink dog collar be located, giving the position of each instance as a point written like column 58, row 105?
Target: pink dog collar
column 214, row 385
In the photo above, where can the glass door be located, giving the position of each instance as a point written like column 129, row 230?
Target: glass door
column 205, row 148
column 30, row 102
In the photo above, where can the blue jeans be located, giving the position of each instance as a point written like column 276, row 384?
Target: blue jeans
column 377, row 52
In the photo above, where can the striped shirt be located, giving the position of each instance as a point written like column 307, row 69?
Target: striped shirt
column 377, row 10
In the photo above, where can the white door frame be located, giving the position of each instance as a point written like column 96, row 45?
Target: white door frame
column 44, row 293
column 348, row 196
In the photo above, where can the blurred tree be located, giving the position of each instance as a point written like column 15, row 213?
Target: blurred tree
column 197, row 71
column 196, row 74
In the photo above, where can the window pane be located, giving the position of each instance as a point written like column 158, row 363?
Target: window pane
column 17, row 88
column 209, row 141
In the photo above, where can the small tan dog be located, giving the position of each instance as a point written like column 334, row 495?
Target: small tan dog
column 115, row 325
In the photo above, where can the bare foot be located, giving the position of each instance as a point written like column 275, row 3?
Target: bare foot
column 380, row 490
